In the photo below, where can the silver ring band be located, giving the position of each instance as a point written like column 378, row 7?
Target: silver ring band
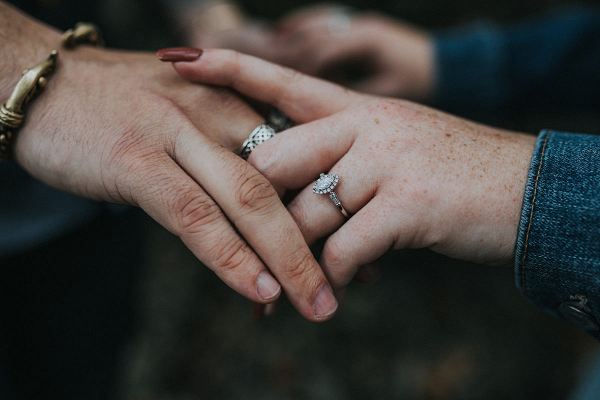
column 325, row 184
column 259, row 135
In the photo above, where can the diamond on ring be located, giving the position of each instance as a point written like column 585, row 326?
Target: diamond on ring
column 325, row 184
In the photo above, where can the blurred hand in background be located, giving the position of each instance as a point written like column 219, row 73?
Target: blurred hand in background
column 367, row 52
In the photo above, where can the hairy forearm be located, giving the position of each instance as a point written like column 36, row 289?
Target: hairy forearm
column 24, row 42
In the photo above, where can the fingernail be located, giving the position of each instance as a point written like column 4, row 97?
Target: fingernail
column 325, row 303
column 174, row 54
column 267, row 286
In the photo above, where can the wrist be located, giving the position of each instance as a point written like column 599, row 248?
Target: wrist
column 503, row 202
column 25, row 42
column 481, row 207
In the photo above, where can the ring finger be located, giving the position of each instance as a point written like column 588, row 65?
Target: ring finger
column 317, row 215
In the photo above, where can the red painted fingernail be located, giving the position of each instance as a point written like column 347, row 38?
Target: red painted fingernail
column 174, row 54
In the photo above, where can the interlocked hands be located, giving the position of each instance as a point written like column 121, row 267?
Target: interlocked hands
column 412, row 176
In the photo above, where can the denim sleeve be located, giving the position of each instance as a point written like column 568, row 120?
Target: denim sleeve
column 547, row 63
column 557, row 263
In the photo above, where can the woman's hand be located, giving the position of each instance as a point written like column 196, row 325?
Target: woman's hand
column 325, row 40
column 395, row 58
column 412, row 177
column 122, row 127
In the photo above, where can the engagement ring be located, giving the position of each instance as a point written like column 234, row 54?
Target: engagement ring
column 325, row 184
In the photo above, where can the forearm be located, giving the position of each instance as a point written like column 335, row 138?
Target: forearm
column 24, row 42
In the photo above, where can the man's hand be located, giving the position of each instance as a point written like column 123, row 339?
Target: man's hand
column 122, row 127
column 412, row 177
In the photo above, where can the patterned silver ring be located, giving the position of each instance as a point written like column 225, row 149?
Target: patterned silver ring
column 260, row 135
column 325, row 184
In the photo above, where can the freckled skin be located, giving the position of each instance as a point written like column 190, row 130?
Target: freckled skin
column 462, row 182
column 412, row 176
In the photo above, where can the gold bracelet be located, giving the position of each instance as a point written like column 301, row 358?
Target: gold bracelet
column 83, row 33
column 12, row 113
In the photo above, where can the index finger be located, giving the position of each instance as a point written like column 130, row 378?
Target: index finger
column 301, row 97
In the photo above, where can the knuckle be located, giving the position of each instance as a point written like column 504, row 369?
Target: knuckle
column 131, row 160
column 142, row 137
column 387, row 104
column 137, row 182
column 233, row 66
column 289, row 78
column 299, row 265
column 392, row 108
column 253, row 192
column 263, row 161
column 195, row 213
column 333, row 255
column 230, row 256
column 129, row 148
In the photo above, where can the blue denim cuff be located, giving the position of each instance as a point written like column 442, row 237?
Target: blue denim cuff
column 557, row 265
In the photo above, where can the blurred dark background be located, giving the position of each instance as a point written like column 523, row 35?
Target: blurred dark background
column 430, row 328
